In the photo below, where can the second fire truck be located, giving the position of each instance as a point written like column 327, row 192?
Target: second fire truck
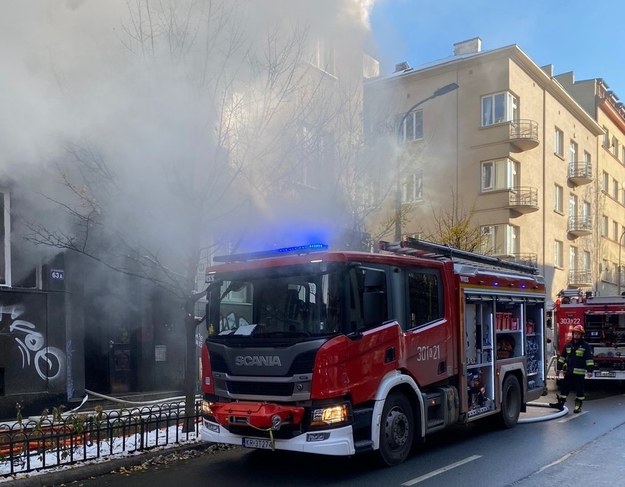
column 341, row 352
column 603, row 320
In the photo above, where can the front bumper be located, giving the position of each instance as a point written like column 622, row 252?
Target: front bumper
column 336, row 441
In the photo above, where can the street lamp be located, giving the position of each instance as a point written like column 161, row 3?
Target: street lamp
column 443, row 90
column 620, row 246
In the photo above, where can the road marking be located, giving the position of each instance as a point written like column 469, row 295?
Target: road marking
column 571, row 418
column 441, row 470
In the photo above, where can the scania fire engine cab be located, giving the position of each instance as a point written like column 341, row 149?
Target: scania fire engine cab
column 342, row 352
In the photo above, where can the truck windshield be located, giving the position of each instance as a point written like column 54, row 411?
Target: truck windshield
column 277, row 303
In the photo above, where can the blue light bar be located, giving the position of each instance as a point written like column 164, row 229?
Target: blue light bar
column 264, row 254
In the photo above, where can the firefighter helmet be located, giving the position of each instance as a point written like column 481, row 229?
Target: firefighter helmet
column 578, row 329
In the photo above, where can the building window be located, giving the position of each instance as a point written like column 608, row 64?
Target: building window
column 606, row 138
column 586, row 261
column 412, row 188
column 558, row 142
column 323, row 57
column 572, row 205
column 411, row 126
column 369, row 194
column 615, row 147
column 558, row 252
column 316, row 157
column 604, row 181
column 615, row 230
column 558, row 199
column 615, row 187
column 5, row 239
column 604, row 226
column 573, row 152
column 499, row 108
column 623, row 153
column 499, row 174
column 500, row 239
column 573, row 258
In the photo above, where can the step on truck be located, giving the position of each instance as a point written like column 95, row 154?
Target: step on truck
column 341, row 352
column 603, row 320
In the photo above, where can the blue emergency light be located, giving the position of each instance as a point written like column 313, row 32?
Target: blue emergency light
column 264, row 254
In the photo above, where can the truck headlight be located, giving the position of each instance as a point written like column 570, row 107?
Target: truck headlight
column 207, row 408
column 329, row 415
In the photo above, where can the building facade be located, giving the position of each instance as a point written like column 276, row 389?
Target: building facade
column 509, row 145
column 604, row 106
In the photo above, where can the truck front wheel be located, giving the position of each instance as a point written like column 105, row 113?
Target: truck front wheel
column 396, row 429
column 510, row 401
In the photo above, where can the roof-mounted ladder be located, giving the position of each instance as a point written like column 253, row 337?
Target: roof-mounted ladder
column 434, row 250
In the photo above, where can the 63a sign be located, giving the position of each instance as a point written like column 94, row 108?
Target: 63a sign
column 57, row 274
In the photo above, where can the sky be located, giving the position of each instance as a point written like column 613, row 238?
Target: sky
column 579, row 36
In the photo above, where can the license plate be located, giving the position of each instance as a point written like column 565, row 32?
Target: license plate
column 603, row 373
column 257, row 443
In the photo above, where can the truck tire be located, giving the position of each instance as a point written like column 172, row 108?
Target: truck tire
column 396, row 429
column 510, row 402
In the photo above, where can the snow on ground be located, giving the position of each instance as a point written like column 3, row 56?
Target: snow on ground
column 121, row 447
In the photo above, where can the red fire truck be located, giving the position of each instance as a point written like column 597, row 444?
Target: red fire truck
column 343, row 352
column 603, row 319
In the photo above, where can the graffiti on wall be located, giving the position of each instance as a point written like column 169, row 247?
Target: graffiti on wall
column 48, row 362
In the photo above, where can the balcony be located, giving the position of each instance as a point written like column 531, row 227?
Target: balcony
column 523, row 199
column 580, row 172
column 580, row 225
column 523, row 135
column 580, row 278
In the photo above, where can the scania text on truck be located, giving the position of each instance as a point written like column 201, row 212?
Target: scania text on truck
column 341, row 352
column 603, row 320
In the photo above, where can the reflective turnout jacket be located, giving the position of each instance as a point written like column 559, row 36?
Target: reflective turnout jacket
column 576, row 358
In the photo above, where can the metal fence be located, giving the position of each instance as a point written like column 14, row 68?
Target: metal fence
column 63, row 439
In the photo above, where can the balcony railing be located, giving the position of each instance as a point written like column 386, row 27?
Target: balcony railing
column 580, row 172
column 580, row 277
column 580, row 225
column 524, row 134
column 523, row 199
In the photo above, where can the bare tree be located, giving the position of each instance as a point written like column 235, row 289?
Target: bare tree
column 454, row 226
column 148, row 209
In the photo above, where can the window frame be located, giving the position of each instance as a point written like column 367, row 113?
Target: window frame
column 412, row 121
column 413, row 181
column 558, row 142
column 494, row 243
column 491, row 178
column 497, row 108
column 558, row 199
column 558, row 253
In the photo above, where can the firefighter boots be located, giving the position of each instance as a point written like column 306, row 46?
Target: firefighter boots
column 558, row 405
column 578, row 406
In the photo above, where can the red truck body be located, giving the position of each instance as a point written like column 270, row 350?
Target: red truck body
column 338, row 353
column 603, row 319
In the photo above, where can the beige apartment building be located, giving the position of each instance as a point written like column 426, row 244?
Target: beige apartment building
column 604, row 106
column 492, row 135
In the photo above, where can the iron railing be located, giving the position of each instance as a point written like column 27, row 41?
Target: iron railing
column 55, row 440
column 524, row 130
column 524, row 196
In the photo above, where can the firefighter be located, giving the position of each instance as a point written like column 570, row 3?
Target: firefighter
column 576, row 362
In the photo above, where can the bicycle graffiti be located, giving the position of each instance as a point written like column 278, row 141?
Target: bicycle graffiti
column 48, row 362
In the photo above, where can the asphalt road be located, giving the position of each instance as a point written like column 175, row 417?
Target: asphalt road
column 581, row 448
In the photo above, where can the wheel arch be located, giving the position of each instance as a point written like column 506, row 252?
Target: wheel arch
column 397, row 382
column 518, row 371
